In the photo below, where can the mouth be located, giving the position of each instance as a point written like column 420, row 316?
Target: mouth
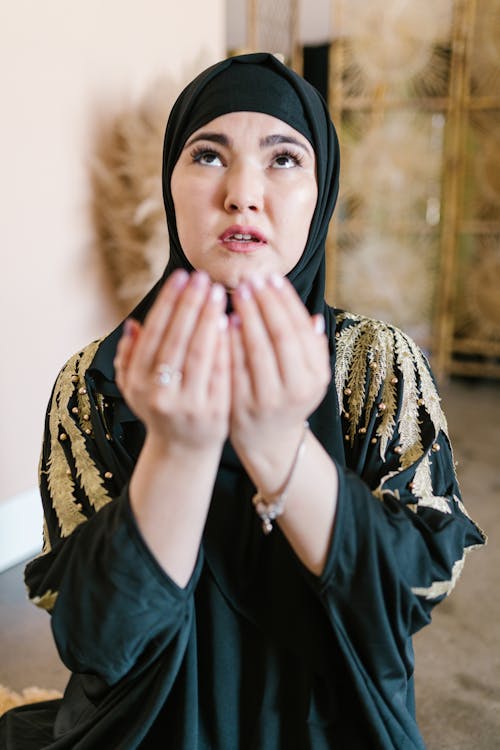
column 239, row 238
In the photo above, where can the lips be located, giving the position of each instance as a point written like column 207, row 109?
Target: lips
column 245, row 235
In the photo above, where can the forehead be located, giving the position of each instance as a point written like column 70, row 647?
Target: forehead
column 239, row 125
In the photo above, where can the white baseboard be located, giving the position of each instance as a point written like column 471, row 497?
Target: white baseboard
column 21, row 520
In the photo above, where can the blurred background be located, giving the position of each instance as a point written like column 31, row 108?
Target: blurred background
column 414, row 90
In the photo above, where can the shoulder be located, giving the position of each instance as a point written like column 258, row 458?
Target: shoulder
column 78, row 364
column 381, row 372
column 70, row 381
column 376, row 349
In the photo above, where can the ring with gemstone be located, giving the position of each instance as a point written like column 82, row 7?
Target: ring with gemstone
column 166, row 375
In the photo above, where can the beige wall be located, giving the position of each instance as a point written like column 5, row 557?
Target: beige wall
column 61, row 65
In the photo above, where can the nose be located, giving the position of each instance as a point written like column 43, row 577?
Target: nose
column 244, row 189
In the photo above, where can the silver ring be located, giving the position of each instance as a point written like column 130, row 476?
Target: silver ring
column 166, row 375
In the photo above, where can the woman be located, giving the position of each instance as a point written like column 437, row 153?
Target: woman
column 250, row 498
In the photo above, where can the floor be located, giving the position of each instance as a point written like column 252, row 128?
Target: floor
column 458, row 657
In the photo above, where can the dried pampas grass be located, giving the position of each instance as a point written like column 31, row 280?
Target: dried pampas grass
column 10, row 699
column 127, row 203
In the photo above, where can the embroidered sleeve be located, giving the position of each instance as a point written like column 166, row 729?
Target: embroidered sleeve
column 95, row 569
column 396, row 440
column 71, row 479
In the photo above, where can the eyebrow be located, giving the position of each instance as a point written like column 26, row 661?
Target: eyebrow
column 223, row 140
column 219, row 138
column 272, row 140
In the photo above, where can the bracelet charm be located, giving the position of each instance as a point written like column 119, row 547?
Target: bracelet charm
column 269, row 506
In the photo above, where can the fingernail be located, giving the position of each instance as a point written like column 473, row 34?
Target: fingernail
column 319, row 324
column 199, row 279
column 276, row 280
column 257, row 281
column 128, row 327
column 180, row 278
column 223, row 323
column 235, row 320
column 217, row 293
column 244, row 291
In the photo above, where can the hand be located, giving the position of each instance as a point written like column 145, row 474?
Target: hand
column 280, row 372
column 185, row 329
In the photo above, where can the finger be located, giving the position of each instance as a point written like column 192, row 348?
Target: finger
column 126, row 344
column 259, row 352
column 302, row 322
column 156, row 322
column 219, row 388
column 295, row 336
column 200, row 349
column 183, row 320
column 271, row 311
column 241, row 384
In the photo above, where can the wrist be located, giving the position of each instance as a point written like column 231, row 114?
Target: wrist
column 162, row 450
column 270, row 506
column 267, row 458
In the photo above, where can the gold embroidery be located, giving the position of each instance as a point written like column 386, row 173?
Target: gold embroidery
column 430, row 395
column 385, row 430
column 440, row 588
column 377, row 374
column 86, row 470
column 46, row 540
column 60, row 481
column 423, row 490
column 386, row 357
column 367, row 349
column 46, row 601
column 345, row 348
column 409, row 431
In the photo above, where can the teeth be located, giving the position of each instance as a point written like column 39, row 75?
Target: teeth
column 239, row 236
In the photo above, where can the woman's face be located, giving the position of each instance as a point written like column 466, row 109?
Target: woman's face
column 244, row 191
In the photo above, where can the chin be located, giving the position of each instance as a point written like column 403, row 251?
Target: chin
column 238, row 270
column 231, row 280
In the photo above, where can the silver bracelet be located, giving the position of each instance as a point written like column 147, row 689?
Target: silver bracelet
column 269, row 506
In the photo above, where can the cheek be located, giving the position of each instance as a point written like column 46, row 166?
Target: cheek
column 184, row 197
column 303, row 205
column 194, row 199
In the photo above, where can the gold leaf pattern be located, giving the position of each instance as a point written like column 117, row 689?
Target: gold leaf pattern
column 409, row 431
column 387, row 424
column 60, row 482
column 377, row 362
column 430, row 396
column 60, row 479
column 46, row 539
column 47, row 600
column 444, row 588
column 423, row 490
column 87, row 472
column 357, row 380
column 369, row 342
column 345, row 349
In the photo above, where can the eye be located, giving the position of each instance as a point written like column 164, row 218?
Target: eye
column 286, row 159
column 207, row 157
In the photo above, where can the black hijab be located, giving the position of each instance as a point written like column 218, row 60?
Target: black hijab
column 260, row 83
